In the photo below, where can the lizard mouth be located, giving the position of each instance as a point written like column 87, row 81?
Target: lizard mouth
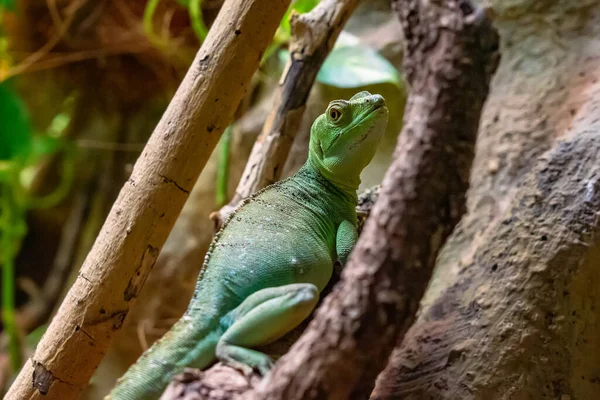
column 377, row 102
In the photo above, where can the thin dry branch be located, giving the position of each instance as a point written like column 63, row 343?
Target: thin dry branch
column 149, row 203
column 313, row 37
column 451, row 54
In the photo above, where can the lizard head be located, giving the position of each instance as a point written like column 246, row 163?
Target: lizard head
column 343, row 140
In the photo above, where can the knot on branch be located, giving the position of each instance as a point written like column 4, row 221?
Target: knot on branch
column 315, row 29
column 301, row 30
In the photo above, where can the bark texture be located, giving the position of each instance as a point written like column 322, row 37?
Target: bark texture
column 511, row 312
column 451, row 53
column 149, row 203
column 222, row 383
column 313, row 37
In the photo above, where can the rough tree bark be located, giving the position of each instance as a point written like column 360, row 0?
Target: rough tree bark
column 313, row 37
column 512, row 310
column 149, row 203
column 451, row 53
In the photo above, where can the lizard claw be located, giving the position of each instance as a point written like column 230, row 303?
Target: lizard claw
column 244, row 369
column 264, row 366
column 261, row 366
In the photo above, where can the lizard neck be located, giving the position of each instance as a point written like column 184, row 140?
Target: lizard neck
column 313, row 173
column 348, row 183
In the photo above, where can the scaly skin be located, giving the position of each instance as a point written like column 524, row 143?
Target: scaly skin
column 267, row 265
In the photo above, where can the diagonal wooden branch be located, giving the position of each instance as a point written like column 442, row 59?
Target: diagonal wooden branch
column 451, row 54
column 313, row 37
column 149, row 203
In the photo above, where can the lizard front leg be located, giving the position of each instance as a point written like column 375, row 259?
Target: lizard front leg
column 262, row 318
column 346, row 238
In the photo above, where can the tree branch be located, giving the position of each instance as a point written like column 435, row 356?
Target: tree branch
column 313, row 37
column 451, row 54
column 149, row 203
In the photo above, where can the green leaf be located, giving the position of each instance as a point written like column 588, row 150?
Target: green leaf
column 15, row 128
column 59, row 124
column 346, row 39
column 8, row 5
column 303, row 6
column 197, row 20
column 357, row 66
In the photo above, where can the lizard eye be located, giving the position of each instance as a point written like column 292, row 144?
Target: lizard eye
column 335, row 113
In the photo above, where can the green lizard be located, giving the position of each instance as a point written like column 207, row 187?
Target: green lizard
column 272, row 257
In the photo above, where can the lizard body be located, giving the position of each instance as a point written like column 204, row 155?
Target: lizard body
column 271, row 258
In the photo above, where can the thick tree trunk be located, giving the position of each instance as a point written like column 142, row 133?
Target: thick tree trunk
column 511, row 310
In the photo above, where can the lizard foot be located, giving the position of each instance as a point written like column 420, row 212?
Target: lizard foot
column 264, row 366
column 244, row 360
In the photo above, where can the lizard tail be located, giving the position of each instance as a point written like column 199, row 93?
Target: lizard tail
column 188, row 344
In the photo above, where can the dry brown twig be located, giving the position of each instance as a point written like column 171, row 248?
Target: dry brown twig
column 61, row 29
column 149, row 203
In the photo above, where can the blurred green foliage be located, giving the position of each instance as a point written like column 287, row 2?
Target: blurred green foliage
column 9, row 5
column 15, row 144
column 357, row 66
column 20, row 149
column 15, row 129
column 353, row 65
